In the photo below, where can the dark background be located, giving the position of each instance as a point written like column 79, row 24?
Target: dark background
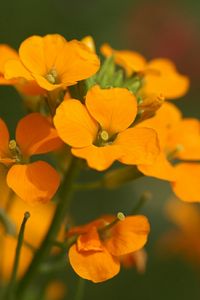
column 156, row 29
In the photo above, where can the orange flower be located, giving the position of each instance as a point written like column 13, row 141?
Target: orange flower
column 100, row 244
column 36, row 181
column 35, row 231
column 99, row 132
column 52, row 62
column 185, row 239
column 26, row 87
column 179, row 139
column 159, row 75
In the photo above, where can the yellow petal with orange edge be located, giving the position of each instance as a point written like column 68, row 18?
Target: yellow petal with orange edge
column 32, row 55
column 114, row 109
column 4, row 138
column 35, row 135
column 89, row 241
column 34, row 183
column 127, row 235
column 162, row 77
column 139, row 145
column 99, row 158
column 161, row 169
column 93, row 265
column 6, row 53
column 76, row 62
column 187, row 184
column 131, row 61
column 186, row 136
column 74, row 124
column 15, row 69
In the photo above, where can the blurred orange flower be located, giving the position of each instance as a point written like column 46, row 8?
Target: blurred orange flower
column 52, row 62
column 99, row 131
column 185, row 239
column 36, row 229
column 159, row 75
column 137, row 259
column 34, row 135
column 101, row 243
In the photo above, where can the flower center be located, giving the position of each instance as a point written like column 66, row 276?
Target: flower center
column 52, row 76
column 104, row 135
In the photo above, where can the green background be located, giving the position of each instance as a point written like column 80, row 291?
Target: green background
column 155, row 28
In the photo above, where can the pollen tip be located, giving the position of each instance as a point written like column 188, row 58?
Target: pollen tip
column 120, row 216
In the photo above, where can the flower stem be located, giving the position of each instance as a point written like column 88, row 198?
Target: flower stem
column 80, row 289
column 11, row 286
column 60, row 213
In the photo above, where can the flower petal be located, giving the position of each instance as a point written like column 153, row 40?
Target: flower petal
column 32, row 54
column 89, row 241
column 186, row 136
column 15, row 69
column 163, row 78
column 4, row 139
column 6, row 53
column 161, row 169
column 128, row 235
column 187, row 185
column 129, row 60
column 114, row 109
column 74, row 124
column 35, row 182
column 76, row 62
column 36, row 135
column 92, row 265
column 139, row 145
column 99, row 158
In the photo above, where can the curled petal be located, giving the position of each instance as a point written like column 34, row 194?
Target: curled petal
column 35, row 182
column 93, row 265
column 114, row 109
column 35, row 135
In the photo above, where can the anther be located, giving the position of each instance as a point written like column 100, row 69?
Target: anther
column 104, row 135
column 52, row 76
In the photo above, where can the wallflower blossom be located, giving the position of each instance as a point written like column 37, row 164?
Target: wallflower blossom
column 35, row 231
column 184, row 240
column 179, row 140
column 159, row 75
column 100, row 131
column 34, row 135
column 22, row 85
column 52, row 62
column 100, row 244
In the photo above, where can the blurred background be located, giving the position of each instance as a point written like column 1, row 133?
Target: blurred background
column 156, row 29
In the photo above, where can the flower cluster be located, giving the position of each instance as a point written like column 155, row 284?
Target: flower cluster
column 107, row 113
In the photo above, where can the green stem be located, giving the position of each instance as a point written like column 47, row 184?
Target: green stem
column 80, row 289
column 60, row 213
column 11, row 286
